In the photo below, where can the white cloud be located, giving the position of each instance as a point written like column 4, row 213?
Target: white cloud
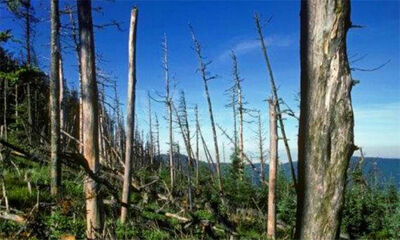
column 247, row 46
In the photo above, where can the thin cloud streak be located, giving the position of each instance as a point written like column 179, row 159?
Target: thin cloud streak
column 248, row 46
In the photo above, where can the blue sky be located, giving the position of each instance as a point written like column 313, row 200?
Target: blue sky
column 221, row 26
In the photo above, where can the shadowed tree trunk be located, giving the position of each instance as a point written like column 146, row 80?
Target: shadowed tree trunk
column 54, row 99
column 273, row 162
column 90, row 117
column 130, row 113
column 325, row 140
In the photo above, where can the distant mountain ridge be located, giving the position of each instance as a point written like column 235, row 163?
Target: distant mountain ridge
column 385, row 170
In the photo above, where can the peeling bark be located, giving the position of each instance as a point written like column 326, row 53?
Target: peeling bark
column 326, row 125
column 90, row 118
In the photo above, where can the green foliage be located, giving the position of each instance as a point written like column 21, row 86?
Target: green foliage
column 371, row 212
column 155, row 234
column 58, row 224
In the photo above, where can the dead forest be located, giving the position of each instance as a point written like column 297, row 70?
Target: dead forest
column 76, row 164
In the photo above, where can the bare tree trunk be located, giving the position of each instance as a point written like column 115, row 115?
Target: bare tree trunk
column 54, row 99
column 158, row 137
column 326, row 124
column 273, row 141
column 238, row 89
column 151, row 148
column 168, row 102
column 16, row 102
column 5, row 89
column 196, row 111
column 27, row 5
column 130, row 121
column 275, row 96
column 235, row 137
column 185, row 130
column 260, row 148
column 61, row 97
column 76, row 41
column 90, row 117
column 204, row 74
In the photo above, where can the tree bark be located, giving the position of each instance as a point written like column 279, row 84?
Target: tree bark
column 273, row 162
column 54, row 99
column 90, row 117
column 326, row 124
column 130, row 121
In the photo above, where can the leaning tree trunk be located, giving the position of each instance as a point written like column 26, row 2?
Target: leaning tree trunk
column 54, row 99
column 326, row 118
column 205, row 77
column 274, row 91
column 90, row 117
column 273, row 148
column 130, row 113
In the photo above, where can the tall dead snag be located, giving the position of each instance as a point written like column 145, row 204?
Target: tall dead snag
column 54, row 98
column 206, row 77
column 130, row 113
column 90, row 117
column 238, row 89
column 182, row 117
column 275, row 96
column 168, row 102
column 326, row 124
column 61, row 100
column 260, row 147
column 151, row 147
column 5, row 92
column 273, row 162
column 196, row 112
column 157, row 137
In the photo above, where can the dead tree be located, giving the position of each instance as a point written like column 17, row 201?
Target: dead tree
column 238, row 89
column 55, row 98
column 206, row 77
column 151, row 147
column 275, row 97
column 61, row 101
column 5, row 93
column 273, row 162
column 90, row 117
column 261, row 140
column 157, row 137
column 326, row 140
column 168, row 102
column 130, row 113
column 183, row 122
column 196, row 113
